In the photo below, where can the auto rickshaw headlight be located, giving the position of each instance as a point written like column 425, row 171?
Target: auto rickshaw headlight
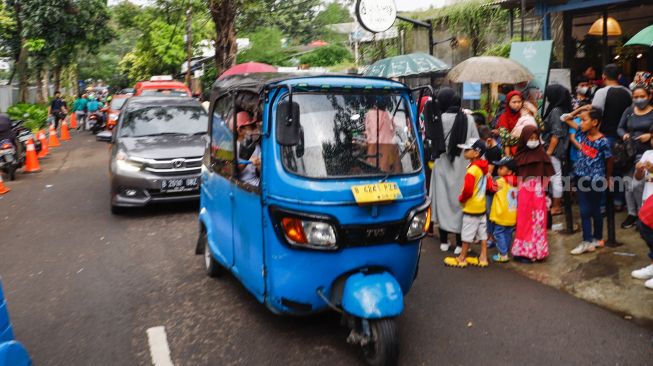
column 308, row 233
column 419, row 224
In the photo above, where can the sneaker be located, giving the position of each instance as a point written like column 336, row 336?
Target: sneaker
column 629, row 222
column 598, row 243
column 649, row 284
column 458, row 250
column 643, row 273
column 584, row 247
column 445, row 247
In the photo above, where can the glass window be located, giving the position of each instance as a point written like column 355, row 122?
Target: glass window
column 116, row 104
column 164, row 120
column 164, row 93
column 222, row 144
column 350, row 135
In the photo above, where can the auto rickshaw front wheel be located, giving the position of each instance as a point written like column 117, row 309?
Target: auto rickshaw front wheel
column 382, row 349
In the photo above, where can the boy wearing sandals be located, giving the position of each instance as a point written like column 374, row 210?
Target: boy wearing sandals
column 504, row 207
column 472, row 198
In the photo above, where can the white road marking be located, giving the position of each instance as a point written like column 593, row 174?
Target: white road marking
column 159, row 349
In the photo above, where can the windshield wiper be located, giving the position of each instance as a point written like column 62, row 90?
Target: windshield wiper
column 401, row 156
column 198, row 133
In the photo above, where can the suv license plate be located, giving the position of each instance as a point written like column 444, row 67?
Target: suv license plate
column 180, row 184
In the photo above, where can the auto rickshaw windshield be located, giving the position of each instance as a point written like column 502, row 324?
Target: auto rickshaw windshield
column 352, row 135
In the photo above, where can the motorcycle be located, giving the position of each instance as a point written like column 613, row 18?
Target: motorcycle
column 12, row 153
column 96, row 121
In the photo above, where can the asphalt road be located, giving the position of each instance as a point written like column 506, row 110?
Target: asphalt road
column 84, row 286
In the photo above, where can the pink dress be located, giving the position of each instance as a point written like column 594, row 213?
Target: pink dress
column 530, row 234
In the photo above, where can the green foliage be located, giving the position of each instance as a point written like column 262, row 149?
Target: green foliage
column 33, row 115
column 327, row 56
column 266, row 47
column 503, row 49
column 476, row 19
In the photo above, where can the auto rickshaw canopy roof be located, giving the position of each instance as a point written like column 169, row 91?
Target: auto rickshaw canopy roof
column 257, row 82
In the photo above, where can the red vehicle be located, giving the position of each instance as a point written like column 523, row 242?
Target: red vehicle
column 160, row 86
column 113, row 110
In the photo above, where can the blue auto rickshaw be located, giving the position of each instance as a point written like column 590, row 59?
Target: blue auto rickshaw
column 336, row 218
column 12, row 352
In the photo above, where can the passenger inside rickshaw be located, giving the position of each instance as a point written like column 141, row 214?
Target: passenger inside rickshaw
column 248, row 126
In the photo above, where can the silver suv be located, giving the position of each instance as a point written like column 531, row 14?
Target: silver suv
column 156, row 152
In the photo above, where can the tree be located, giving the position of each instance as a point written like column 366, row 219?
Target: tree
column 327, row 56
column 266, row 47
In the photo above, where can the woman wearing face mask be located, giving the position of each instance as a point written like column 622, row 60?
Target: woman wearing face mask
column 533, row 167
column 582, row 94
column 634, row 126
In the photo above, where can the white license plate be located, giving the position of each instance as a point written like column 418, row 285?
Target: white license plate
column 180, row 184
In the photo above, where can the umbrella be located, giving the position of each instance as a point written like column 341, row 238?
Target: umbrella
column 490, row 69
column 406, row 65
column 248, row 68
column 644, row 38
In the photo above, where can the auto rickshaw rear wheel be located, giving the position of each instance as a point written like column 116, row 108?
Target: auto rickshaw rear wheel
column 212, row 267
column 383, row 347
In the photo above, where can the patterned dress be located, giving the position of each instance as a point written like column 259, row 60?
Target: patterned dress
column 530, row 234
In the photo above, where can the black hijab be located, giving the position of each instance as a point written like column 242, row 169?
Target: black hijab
column 447, row 101
column 558, row 97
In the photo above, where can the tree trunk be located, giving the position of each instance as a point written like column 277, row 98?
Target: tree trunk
column 57, row 78
column 223, row 13
column 46, row 84
column 21, row 69
column 39, row 84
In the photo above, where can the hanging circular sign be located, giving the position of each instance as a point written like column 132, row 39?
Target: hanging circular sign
column 376, row 15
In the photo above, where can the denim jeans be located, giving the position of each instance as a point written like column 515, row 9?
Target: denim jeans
column 503, row 236
column 589, row 200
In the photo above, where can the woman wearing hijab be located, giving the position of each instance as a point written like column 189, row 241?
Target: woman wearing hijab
column 533, row 166
column 451, row 127
column 508, row 119
column 556, row 138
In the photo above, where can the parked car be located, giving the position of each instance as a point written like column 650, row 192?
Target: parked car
column 162, row 86
column 113, row 112
column 156, row 153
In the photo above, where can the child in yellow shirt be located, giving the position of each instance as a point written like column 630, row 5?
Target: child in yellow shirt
column 504, row 207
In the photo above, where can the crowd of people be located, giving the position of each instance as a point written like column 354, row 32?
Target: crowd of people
column 499, row 183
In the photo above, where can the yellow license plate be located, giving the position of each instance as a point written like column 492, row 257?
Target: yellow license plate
column 376, row 193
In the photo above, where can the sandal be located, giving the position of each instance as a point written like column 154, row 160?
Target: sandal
column 498, row 258
column 453, row 262
column 474, row 261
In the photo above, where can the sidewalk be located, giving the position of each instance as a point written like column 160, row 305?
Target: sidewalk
column 602, row 277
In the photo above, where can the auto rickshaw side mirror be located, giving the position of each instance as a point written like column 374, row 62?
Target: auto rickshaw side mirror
column 288, row 127
column 429, row 119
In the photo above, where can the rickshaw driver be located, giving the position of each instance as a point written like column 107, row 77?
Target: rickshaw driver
column 248, row 134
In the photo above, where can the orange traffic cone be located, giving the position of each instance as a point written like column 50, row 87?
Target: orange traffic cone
column 54, row 141
column 65, row 134
column 44, row 145
column 3, row 188
column 31, row 161
column 73, row 121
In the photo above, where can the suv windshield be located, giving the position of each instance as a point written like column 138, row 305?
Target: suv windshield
column 164, row 120
column 349, row 135
column 117, row 103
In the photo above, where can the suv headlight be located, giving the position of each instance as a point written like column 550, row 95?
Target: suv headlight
column 418, row 224
column 124, row 163
column 311, row 234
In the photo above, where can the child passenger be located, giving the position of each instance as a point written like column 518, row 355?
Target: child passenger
column 593, row 166
column 503, row 213
column 472, row 198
